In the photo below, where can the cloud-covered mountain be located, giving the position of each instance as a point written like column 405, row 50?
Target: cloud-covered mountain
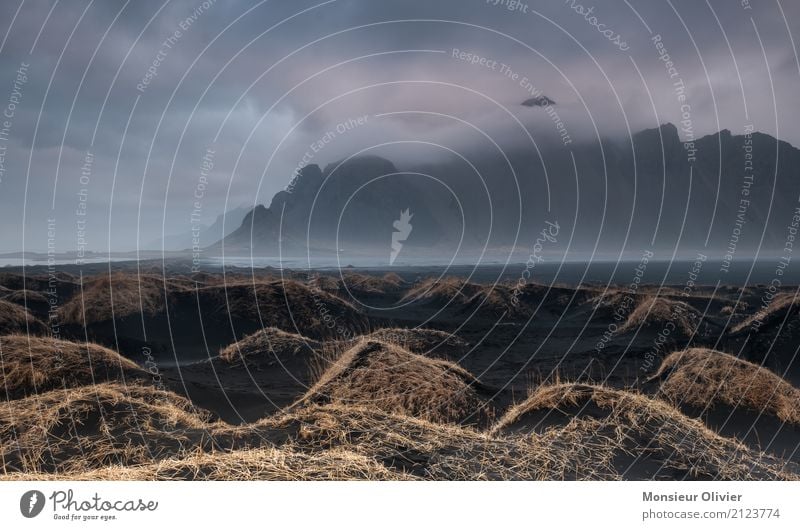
column 726, row 193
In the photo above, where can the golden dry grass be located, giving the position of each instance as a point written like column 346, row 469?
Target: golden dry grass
column 611, row 298
column 271, row 342
column 387, row 377
column 338, row 442
column 773, row 313
column 657, row 310
column 17, row 282
column 326, row 283
column 286, row 304
column 110, row 432
column 269, row 463
column 97, row 425
column 31, row 365
column 25, row 296
column 433, row 450
column 496, row 300
column 275, row 343
column 119, row 295
column 522, row 301
column 361, row 284
column 381, row 408
column 627, row 431
column 421, row 341
column 16, row 319
column 704, row 378
column 457, row 291
column 489, row 301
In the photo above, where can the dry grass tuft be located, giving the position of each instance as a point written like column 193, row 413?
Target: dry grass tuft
column 98, row 425
column 286, row 304
column 269, row 343
column 657, row 311
column 634, row 434
column 25, row 296
column 267, row 463
column 118, row 295
column 497, row 300
column 16, row 319
column 774, row 313
column 703, row 378
column 31, row 365
column 455, row 291
column 434, row 451
column 364, row 284
column 342, row 442
column 387, row 377
column 422, row 341
column 326, row 283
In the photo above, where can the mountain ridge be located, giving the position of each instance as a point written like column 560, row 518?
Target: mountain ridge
column 651, row 194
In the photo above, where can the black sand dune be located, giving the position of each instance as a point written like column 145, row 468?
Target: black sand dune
column 637, row 436
column 180, row 320
column 387, row 377
column 372, row 375
column 31, row 365
column 16, row 319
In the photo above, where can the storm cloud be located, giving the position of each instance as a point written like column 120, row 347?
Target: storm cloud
column 135, row 115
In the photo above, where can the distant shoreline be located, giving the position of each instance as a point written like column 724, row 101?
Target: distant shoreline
column 567, row 273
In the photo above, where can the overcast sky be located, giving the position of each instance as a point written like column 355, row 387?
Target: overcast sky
column 159, row 91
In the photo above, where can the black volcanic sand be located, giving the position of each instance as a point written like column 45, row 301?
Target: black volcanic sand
column 510, row 342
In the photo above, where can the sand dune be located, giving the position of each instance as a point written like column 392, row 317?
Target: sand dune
column 270, row 345
column 117, row 296
column 187, row 320
column 286, row 304
column 705, row 378
column 453, row 291
column 268, row 463
column 429, row 342
column 272, row 368
column 31, row 365
column 366, row 284
column 98, row 425
column 139, row 433
column 657, row 311
column 634, row 435
column 281, row 377
column 770, row 316
column 16, row 319
column 389, row 378
column 35, row 302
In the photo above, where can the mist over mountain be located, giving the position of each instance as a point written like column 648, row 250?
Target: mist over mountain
column 224, row 224
column 736, row 193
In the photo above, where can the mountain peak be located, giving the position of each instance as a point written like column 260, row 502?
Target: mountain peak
column 650, row 143
column 667, row 131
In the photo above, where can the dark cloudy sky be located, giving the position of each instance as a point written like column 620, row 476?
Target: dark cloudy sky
column 258, row 83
